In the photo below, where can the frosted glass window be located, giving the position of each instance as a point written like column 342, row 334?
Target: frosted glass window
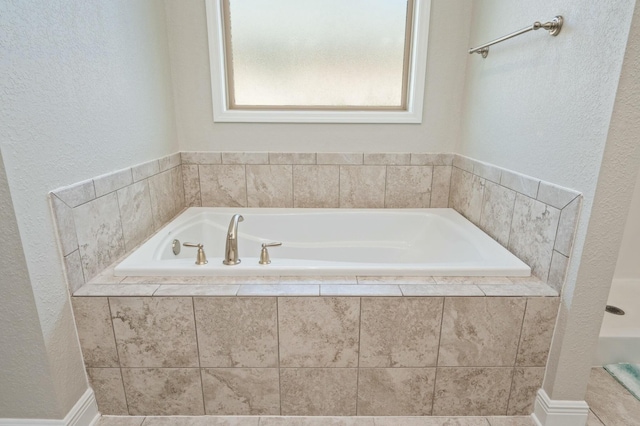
column 317, row 54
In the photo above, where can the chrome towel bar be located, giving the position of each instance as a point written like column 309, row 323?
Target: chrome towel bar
column 554, row 26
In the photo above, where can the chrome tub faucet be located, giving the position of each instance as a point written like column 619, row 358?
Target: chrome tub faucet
column 231, row 248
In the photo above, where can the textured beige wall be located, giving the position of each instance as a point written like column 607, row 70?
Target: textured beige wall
column 84, row 90
column 580, row 317
column 439, row 131
column 27, row 387
column 628, row 267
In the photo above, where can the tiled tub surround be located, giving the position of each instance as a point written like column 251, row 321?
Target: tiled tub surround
column 357, row 345
column 533, row 219
column 101, row 219
column 350, row 356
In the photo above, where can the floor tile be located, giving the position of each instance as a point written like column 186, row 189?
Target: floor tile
column 120, row 421
column 613, row 404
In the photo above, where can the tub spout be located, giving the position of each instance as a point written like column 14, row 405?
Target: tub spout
column 231, row 248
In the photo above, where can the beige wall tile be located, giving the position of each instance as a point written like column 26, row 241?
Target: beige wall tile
column 526, row 382
column 480, row 331
column 556, row 196
column 99, row 234
column 441, row 290
column 467, row 192
column 558, row 270
column 472, row 280
column 318, row 391
column 196, row 290
column 400, row 332
column 340, row 158
column 161, row 192
column 533, row 232
column 359, row 290
column 137, row 216
column 112, row 181
column 497, row 211
column 237, row 332
column 93, row 322
column 395, row 391
column 394, row 280
column 567, row 226
column 387, row 158
column 270, row 186
column 487, row 171
column 145, row 170
column 65, row 225
column 163, row 391
column 472, row 391
column 170, row 161
column 463, row 163
column 73, row 271
column 191, row 183
column 520, row 183
column 408, row 186
column 241, row 391
column 537, row 331
column 362, row 186
column 279, row 290
column 96, row 290
column 316, row 186
column 109, row 391
column 440, row 186
column 154, row 332
column 178, row 189
column 223, row 186
column 76, row 194
column 430, row 159
column 245, row 158
column 196, row 157
column 292, row 158
column 318, row 331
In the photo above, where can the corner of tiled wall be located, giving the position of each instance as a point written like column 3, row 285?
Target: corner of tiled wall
column 100, row 219
column 534, row 219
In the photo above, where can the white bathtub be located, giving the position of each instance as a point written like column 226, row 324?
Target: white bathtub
column 403, row 242
column 620, row 335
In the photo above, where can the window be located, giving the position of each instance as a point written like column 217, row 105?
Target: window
column 349, row 61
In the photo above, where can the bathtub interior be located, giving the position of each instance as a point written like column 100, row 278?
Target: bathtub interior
column 356, row 239
column 619, row 339
column 327, row 242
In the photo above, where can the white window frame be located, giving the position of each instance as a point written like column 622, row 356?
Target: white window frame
column 415, row 90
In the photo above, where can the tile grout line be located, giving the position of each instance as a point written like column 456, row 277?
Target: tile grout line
column 277, row 300
column 435, row 377
column 124, row 390
column 515, row 362
column 195, row 327
column 359, row 353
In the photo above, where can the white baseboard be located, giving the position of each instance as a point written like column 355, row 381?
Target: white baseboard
column 548, row 412
column 84, row 413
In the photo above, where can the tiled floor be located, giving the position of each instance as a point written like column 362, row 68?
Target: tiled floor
column 611, row 405
column 314, row 421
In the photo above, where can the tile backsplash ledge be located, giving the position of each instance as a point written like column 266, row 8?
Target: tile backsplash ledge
column 100, row 219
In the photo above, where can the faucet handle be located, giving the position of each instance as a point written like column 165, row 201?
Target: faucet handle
column 264, row 245
column 201, row 258
column 264, row 253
